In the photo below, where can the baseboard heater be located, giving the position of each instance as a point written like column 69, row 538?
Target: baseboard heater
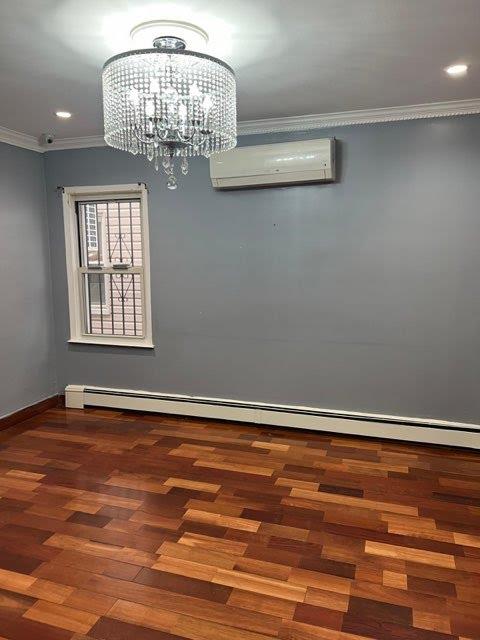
column 345, row 422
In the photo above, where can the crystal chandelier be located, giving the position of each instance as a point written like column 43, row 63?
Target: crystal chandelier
column 169, row 103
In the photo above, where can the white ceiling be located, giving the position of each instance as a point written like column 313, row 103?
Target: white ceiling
column 291, row 57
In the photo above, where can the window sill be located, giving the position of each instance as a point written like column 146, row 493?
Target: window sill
column 113, row 343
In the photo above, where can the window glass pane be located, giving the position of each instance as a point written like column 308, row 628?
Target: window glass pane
column 97, row 289
column 113, row 304
column 110, row 233
column 110, row 236
column 124, row 232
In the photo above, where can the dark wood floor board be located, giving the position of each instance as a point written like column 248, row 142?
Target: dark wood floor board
column 110, row 629
column 127, row 526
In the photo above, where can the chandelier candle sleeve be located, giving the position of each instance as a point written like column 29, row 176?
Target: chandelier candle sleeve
column 169, row 102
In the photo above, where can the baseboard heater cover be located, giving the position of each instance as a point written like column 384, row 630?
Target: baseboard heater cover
column 349, row 423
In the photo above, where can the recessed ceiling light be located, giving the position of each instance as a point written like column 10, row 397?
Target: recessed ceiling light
column 63, row 114
column 457, row 69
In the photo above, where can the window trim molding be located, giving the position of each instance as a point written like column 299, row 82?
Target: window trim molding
column 75, row 307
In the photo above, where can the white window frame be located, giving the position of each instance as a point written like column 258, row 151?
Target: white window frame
column 75, row 297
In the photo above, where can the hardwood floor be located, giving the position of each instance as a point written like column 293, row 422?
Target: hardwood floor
column 122, row 526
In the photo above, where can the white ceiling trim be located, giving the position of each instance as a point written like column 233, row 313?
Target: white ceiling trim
column 76, row 143
column 363, row 116
column 18, row 139
column 278, row 125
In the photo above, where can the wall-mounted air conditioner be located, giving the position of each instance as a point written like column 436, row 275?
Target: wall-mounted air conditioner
column 274, row 164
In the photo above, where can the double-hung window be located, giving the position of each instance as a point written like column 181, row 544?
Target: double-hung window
column 108, row 270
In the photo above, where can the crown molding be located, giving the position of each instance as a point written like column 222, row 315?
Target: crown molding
column 361, row 116
column 280, row 125
column 17, row 139
column 83, row 142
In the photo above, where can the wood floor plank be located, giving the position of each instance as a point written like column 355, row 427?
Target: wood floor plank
column 110, row 629
column 413, row 555
column 90, row 602
column 135, row 482
column 233, row 466
column 122, row 554
column 185, row 585
column 194, row 629
column 142, row 615
column 214, row 544
column 194, row 485
column 14, row 603
column 201, row 556
column 293, row 630
column 221, row 520
column 57, row 615
column 393, row 579
column 431, row 621
column 327, row 599
column 259, row 584
column 320, row 580
column 186, row 568
column 125, row 526
column 22, row 628
column 49, row 591
column 13, row 581
column 375, row 505
column 278, row 607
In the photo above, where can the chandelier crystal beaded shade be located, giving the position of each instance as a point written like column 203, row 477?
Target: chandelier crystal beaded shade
column 169, row 103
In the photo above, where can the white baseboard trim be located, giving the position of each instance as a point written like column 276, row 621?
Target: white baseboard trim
column 346, row 422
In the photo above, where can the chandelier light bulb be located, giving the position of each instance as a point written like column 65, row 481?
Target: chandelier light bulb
column 207, row 103
column 155, row 86
column 182, row 112
column 149, row 110
column 169, row 102
column 133, row 96
column 194, row 90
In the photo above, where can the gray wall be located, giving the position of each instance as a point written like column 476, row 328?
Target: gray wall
column 362, row 295
column 27, row 366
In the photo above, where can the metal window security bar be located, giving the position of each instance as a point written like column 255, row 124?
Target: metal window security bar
column 111, row 266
